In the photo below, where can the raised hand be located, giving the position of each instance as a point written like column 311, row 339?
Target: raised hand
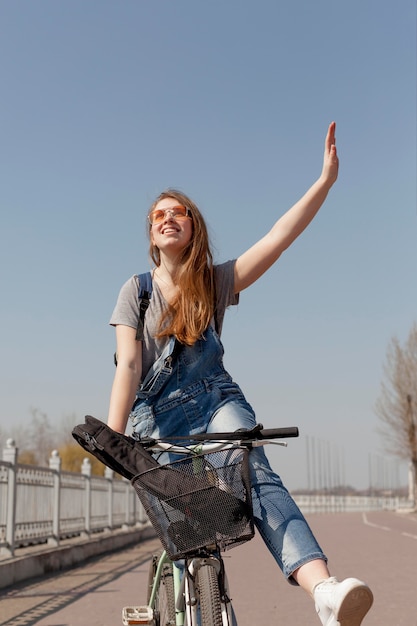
column 330, row 160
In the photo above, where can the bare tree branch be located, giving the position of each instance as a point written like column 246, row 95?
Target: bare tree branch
column 396, row 405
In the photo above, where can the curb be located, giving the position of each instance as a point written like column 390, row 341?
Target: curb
column 41, row 562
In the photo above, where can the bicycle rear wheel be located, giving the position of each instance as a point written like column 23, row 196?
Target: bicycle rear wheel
column 210, row 603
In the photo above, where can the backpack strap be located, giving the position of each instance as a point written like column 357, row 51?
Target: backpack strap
column 144, row 296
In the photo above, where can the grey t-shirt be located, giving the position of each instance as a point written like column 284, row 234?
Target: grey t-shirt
column 126, row 311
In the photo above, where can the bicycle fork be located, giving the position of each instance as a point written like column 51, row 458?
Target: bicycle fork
column 189, row 596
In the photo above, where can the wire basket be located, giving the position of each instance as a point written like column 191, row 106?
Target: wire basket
column 198, row 501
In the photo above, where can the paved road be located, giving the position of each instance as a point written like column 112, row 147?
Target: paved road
column 380, row 547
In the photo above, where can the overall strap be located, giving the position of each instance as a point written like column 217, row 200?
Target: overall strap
column 144, row 296
column 145, row 293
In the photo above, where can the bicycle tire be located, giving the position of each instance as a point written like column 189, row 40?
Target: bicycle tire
column 210, row 604
column 164, row 609
column 151, row 576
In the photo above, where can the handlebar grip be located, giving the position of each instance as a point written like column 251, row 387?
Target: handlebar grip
column 278, row 433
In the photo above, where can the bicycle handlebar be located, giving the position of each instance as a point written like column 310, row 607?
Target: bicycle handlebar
column 256, row 433
column 278, row 433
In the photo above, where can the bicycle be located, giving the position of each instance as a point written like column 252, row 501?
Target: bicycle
column 199, row 505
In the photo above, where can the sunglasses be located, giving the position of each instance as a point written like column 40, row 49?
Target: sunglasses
column 157, row 216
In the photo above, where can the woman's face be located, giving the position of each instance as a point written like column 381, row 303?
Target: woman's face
column 173, row 233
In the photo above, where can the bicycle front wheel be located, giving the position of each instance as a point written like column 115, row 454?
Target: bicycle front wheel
column 164, row 606
column 210, row 602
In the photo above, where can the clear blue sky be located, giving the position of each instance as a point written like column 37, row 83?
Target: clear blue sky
column 106, row 103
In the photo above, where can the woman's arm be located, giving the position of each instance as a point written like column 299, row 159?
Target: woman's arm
column 127, row 377
column 255, row 261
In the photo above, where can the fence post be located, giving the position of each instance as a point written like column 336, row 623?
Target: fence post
column 55, row 465
column 126, row 524
column 10, row 456
column 86, row 472
column 108, row 474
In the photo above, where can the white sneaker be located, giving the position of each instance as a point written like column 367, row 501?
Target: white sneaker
column 345, row 603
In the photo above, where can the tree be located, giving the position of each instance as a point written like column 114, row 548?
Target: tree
column 72, row 456
column 66, row 424
column 43, row 437
column 396, row 406
column 37, row 438
column 35, row 441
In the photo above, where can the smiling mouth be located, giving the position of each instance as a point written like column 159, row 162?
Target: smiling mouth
column 169, row 230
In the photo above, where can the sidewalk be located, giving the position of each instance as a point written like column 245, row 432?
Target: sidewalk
column 379, row 547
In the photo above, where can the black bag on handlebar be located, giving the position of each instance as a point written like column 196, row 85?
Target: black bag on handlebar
column 121, row 453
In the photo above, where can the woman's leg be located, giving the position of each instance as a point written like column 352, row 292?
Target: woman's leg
column 277, row 517
column 288, row 536
column 311, row 574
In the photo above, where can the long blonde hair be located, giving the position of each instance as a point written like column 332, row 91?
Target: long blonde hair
column 190, row 313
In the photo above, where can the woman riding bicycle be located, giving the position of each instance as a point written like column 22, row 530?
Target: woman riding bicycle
column 180, row 348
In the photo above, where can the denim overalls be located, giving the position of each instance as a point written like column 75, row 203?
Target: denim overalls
column 192, row 394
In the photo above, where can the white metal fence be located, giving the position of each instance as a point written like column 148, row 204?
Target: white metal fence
column 45, row 504
column 329, row 503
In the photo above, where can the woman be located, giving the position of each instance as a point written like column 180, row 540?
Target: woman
column 195, row 393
